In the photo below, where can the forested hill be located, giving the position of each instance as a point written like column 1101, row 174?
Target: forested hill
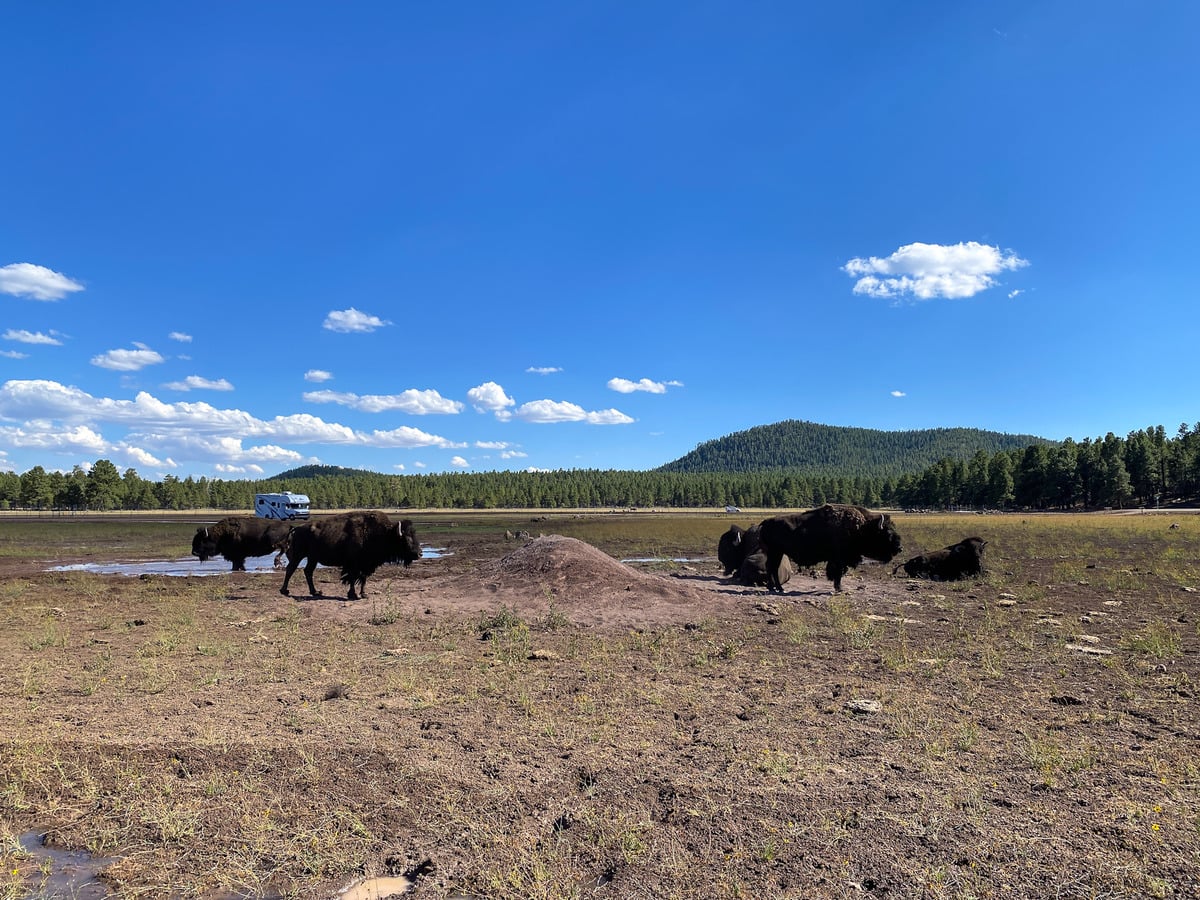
column 828, row 450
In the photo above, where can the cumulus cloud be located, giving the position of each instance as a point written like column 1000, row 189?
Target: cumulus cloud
column 534, row 469
column 1016, row 293
column 127, row 360
column 550, row 411
column 899, row 394
column 34, row 436
column 35, row 282
column 925, row 271
column 197, row 383
column 491, row 445
column 250, row 469
column 543, row 370
column 180, row 336
column 319, row 376
column 414, row 402
column 32, row 337
column 200, row 427
column 459, row 463
column 14, row 354
column 513, row 454
column 350, row 320
column 149, row 460
column 625, row 386
column 490, row 397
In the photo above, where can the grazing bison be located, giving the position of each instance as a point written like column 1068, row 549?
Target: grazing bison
column 357, row 542
column 735, row 545
column 841, row 535
column 954, row 563
column 239, row 537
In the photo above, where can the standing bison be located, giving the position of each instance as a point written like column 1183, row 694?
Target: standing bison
column 953, row 563
column 357, row 542
column 239, row 537
column 841, row 535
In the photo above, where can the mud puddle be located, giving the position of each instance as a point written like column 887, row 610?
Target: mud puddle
column 63, row 874
column 186, row 566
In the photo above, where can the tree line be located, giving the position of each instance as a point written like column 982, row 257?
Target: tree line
column 1145, row 468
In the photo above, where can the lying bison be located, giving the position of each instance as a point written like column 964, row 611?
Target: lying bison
column 840, row 535
column 357, row 542
column 735, row 545
column 239, row 537
column 753, row 570
column 954, row 563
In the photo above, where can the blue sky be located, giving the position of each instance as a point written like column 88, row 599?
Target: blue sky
column 240, row 237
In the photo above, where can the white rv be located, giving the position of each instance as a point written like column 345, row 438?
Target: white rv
column 285, row 505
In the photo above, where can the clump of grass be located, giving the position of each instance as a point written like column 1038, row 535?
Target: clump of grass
column 1156, row 639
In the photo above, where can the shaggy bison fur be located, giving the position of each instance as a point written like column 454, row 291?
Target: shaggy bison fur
column 953, row 563
column 358, row 543
column 238, row 538
column 838, row 534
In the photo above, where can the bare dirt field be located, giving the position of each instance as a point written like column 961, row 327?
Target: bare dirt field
column 528, row 716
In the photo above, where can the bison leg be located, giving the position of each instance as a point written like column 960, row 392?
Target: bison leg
column 834, row 572
column 239, row 564
column 287, row 576
column 774, row 558
column 309, row 568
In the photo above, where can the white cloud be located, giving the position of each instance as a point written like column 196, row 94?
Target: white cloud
column 925, row 271
column 128, row 360
column 399, row 467
column 35, row 282
column 197, row 383
column 414, row 402
column 625, row 386
column 320, row 376
column 149, row 460
column 14, row 354
column 491, row 445
column 490, row 397
column 549, row 411
column 899, row 394
column 36, row 436
column 513, row 454
column 200, row 428
column 32, row 337
column 532, row 469
column 250, row 469
column 350, row 320
column 180, row 336
column 543, row 370
column 1016, row 293
column 459, row 463
column 419, row 465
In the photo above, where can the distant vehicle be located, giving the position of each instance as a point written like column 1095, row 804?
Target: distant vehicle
column 285, row 505
column 732, row 509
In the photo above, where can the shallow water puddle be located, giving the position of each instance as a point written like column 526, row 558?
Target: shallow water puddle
column 664, row 559
column 376, row 888
column 64, row 874
column 190, row 565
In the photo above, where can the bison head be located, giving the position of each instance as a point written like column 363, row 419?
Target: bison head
column 880, row 541
column 409, row 547
column 204, row 544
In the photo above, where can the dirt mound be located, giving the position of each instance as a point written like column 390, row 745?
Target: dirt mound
column 593, row 586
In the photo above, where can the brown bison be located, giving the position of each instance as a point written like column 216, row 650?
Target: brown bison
column 841, row 535
column 357, row 542
column 953, row 563
column 753, row 570
column 735, row 545
column 239, row 537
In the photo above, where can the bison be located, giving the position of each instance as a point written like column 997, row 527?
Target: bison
column 753, row 570
column 735, row 545
column 953, row 563
column 839, row 534
column 357, row 542
column 239, row 537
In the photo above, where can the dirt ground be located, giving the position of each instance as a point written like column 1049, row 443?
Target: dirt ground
column 534, row 718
